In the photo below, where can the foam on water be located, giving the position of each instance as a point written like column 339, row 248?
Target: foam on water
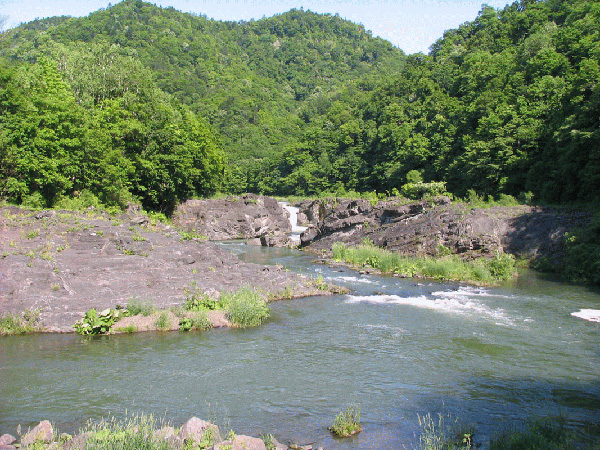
column 452, row 302
column 352, row 279
column 592, row 315
column 469, row 291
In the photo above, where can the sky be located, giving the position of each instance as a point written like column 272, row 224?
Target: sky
column 409, row 24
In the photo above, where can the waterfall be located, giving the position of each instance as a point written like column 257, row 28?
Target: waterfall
column 296, row 229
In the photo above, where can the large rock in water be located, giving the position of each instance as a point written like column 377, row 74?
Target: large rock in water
column 246, row 217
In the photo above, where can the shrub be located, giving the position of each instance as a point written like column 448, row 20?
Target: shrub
column 419, row 190
column 198, row 321
column 162, row 321
column 347, row 422
column 245, row 307
column 97, row 323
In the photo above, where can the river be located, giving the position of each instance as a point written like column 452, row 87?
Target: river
column 398, row 347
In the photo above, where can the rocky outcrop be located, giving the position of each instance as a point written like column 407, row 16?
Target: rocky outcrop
column 245, row 217
column 62, row 263
column 438, row 226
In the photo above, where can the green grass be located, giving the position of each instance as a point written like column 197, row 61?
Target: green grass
column 443, row 433
column 27, row 322
column 196, row 300
column 449, row 267
column 135, row 307
column 162, row 321
column 245, row 307
column 347, row 422
column 135, row 433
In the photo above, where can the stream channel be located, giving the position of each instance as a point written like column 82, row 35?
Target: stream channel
column 400, row 348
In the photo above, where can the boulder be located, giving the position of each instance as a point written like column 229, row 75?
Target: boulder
column 195, row 429
column 275, row 240
column 42, row 432
column 7, row 439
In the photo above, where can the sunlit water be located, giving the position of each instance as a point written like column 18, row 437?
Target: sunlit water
column 397, row 347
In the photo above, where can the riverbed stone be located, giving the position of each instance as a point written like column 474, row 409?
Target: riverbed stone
column 242, row 442
column 195, row 428
column 7, row 439
column 42, row 432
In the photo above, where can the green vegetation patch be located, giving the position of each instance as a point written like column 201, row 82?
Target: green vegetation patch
column 449, row 267
column 245, row 307
column 27, row 322
column 131, row 434
column 347, row 422
column 97, row 323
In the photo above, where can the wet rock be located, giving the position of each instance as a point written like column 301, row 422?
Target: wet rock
column 194, row 429
column 275, row 240
column 242, row 442
column 302, row 220
column 7, row 439
column 42, row 432
column 308, row 235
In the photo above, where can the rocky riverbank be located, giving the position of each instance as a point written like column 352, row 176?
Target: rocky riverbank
column 60, row 264
column 438, row 226
column 195, row 433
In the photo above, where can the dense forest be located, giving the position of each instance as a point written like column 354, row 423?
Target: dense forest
column 141, row 102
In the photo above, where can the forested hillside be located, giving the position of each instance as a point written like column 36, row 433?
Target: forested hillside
column 249, row 80
column 507, row 103
column 141, row 101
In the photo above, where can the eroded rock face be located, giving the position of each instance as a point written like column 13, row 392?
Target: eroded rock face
column 438, row 226
column 245, row 217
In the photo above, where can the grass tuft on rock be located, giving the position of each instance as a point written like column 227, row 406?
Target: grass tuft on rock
column 347, row 422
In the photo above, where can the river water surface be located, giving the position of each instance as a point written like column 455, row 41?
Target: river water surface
column 397, row 347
